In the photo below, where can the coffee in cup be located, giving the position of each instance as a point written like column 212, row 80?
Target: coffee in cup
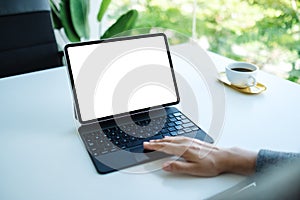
column 242, row 74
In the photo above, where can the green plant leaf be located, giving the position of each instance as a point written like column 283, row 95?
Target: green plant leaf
column 65, row 16
column 55, row 15
column 124, row 23
column 79, row 14
column 103, row 7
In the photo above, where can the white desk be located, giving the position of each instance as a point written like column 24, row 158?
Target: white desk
column 42, row 156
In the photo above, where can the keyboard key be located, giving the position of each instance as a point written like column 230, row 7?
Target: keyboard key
column 195, row 128
column 173, row 119
column 185, row 121
column 101, row 141
column 163, row 131
column 170, row 115
column 179, row 127
column 106, row 131
column 104, row 152
column 156, row 137
column 188, row 125
column 159, row 122
column 171, row 124
column 187, row 130
column 148, row 135
column 172, row 129
column 124, row 135
column 173, row 133
column 123, row 141
column 137, row 149
column 135, row 143
column 91, row 144
column 178, row 122
column 156, row 129
column 93, row 133
column 177, row 114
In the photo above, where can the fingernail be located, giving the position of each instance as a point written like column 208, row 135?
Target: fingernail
column 146, row 143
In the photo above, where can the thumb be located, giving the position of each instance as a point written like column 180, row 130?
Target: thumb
column 179, row 166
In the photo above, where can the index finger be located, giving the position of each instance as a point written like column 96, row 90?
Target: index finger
column 166, row 147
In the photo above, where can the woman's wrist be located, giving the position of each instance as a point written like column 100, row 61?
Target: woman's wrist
column 239, row 161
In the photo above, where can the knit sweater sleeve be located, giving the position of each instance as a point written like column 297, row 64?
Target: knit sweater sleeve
column 266, row 159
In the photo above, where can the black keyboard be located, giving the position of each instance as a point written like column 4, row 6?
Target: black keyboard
column 127, row 136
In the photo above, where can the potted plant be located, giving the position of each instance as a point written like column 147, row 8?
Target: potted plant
column 70, row 18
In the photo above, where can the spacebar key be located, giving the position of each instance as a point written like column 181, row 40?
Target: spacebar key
column 156, row 137
column 139, row 142
column 135, row 143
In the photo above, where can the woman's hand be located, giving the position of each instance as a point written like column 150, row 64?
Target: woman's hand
column 203, row 159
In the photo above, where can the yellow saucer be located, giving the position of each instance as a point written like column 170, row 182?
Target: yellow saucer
column 258, row 88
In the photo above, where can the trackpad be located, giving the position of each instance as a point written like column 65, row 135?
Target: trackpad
column 121, row 159
column 139, row 154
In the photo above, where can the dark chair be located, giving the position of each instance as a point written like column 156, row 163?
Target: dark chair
column 27, row 41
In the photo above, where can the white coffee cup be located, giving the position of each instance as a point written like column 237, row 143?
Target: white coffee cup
column 242, row 74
